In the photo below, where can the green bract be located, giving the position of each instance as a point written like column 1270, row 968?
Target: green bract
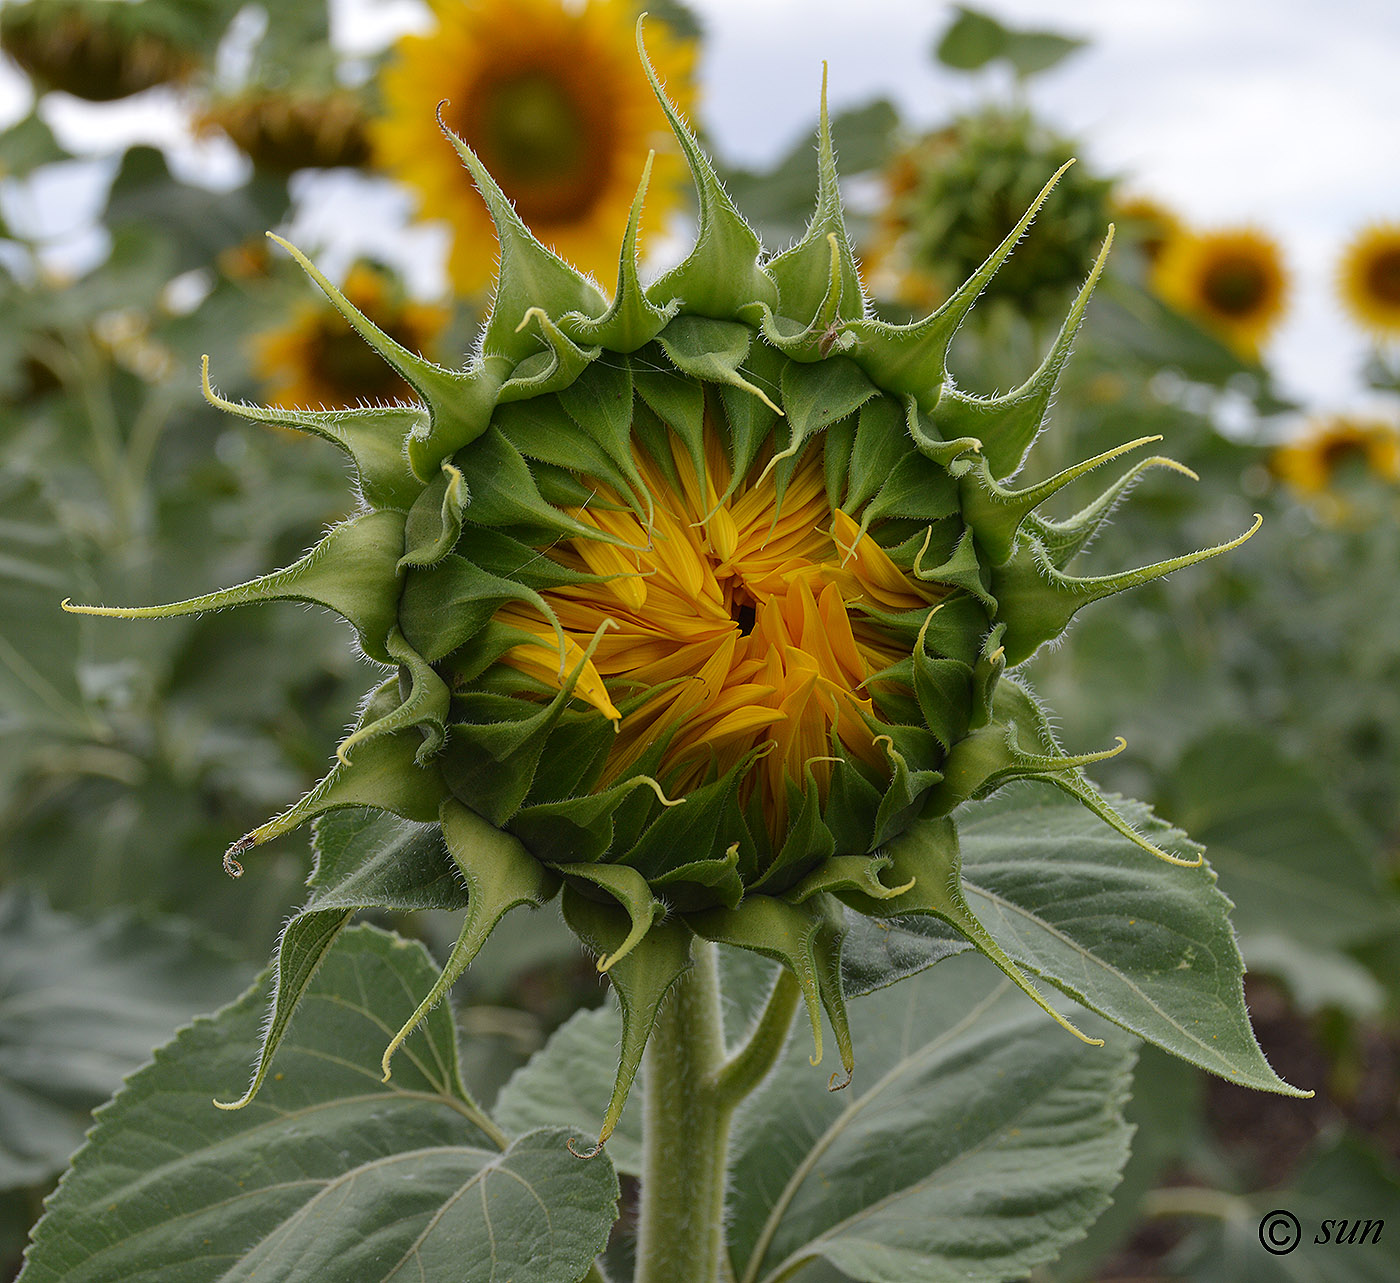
column 465, row 497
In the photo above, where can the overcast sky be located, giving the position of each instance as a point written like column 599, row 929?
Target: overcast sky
column 1281, row 113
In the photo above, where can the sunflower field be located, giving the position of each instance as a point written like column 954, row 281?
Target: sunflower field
column 738, row 800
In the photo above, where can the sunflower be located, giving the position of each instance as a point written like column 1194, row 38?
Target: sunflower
column 552, row 100
column 100, row 51
column 1231, row 281
column 283, row 130
column 1370, row 279
column 316, row 359
column 1147, row 223
column 1313, row 462
column 698, row 607
column 733, row 623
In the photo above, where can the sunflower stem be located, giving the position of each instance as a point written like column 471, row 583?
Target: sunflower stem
column 681, row 1230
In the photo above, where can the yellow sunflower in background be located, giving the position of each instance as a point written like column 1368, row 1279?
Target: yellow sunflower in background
column 553, row 101
column 1370, row 279
column 1311, row 464
column 318, row 360
column 1231, row 281
column 1149, row 224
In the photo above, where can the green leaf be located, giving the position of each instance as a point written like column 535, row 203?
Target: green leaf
column 26, row 145
column 331, row 1174
column 568, row 1083
column 1168, row 1097
column 1268, row 821
column 972, row 41
column 876, row 954
column 39, row 644
column 1145, row 943
column 975, row 39
column 194, row 222
column 81, row 1004
column 918, row 1173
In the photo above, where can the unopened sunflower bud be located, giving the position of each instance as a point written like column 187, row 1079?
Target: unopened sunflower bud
column 692, row 601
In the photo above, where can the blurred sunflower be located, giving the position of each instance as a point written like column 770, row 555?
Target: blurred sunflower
column 553, row 101
column 281, row 130
column 1146, row 223
column 1370, row 279
column 1311, row 464
column 1232, row 282
column 100, row 51
column 318, row 360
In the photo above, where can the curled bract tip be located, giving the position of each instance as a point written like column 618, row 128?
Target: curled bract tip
column 833, row 1085
column 592, row 1153
column 231, row 865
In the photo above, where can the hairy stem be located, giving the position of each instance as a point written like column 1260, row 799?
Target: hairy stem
column 681, row 1230
column 692, row 1091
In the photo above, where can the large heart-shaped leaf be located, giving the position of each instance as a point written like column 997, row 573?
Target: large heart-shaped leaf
column 1145, row 943
column 568, row 1083
column 331, row 1175
column 975, row 1142
column 81, row 1004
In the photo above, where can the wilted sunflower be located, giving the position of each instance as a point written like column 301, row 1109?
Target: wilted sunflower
column 551, row 98
column 1232, row 282
column 318, row 360
column 1311, row 463
column 99, row 50
column 285, row 130
column 697, row 607
column 1370, row 279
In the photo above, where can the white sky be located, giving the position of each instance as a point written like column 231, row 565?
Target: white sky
column 1280, row 113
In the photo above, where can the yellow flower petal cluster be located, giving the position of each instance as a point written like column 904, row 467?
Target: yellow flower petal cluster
column 553, row 101
column 1231, row 281
column 731, row 611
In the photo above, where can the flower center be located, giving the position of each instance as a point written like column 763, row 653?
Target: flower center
column 544, row 140
column 345, row 366
column 1234, row 285
column 1383, row 277
column 740, row 619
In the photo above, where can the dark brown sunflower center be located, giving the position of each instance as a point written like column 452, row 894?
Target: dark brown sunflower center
column 347, row 367
column 1342, row 452
column 1383, row 277
column 544, row 144
column 1235, row 286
